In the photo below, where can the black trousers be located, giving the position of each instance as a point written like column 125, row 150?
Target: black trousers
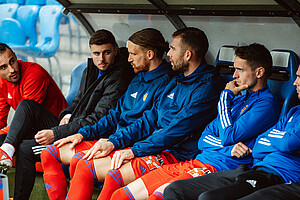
column 29, row 118
column 225, row 185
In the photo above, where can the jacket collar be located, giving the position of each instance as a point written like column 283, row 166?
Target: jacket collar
column 162, row 69
column 202, row 69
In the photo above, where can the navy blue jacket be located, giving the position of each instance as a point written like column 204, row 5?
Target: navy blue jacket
column 143, row 91
column 240, row 119
column 278, row 148
column 175, row 123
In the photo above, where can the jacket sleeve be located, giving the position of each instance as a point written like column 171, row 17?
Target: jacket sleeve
column 106, row 124
column 136, row 131
column 256, row 120
column 114, row 87
column 4, row 110
column 180, row 128
column 285, row 140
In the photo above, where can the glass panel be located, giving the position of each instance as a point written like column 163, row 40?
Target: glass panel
column 124, row 25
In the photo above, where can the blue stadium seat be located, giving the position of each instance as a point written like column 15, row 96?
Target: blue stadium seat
column 49, row 18
column 22, row 31
column 8, row 11
column 285, row 65
column 75, row 81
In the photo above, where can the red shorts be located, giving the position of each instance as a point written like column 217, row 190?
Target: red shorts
column 143, row 165
column 4, row 130
column 176, row 171
column 84, row 145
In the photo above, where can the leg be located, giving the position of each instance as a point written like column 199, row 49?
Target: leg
column 192, row 188
column 25, row 169
column 117, row 178
column 276, row 192
column 245, row 184
column 82, row 183
column 29, row 118
column 54, row 177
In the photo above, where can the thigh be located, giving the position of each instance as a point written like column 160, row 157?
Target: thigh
column 102, row 165
column 276, row 192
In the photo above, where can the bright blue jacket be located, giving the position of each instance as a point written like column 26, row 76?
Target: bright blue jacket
column 240, row 119
column 143, row 91
column 278, row 148
column 175, row 123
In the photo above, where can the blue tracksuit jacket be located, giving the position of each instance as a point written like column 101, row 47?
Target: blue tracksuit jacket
column 143, row 91
column 240, row 119
column 278, row 148
column 175, row 123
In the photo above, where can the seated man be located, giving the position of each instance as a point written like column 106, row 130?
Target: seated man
column 186, row 106
column 276, row 156
column 25, row 80
column 103, row 82
column 146, row 49
column 241, row 119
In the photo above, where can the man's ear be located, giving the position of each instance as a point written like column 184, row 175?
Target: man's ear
column 150, row 54
column 188, row 55
column 260, row 72
column 116, row 50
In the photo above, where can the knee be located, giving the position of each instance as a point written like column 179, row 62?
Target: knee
column 76, row 158
column 27, row 103
column 49, row 154
column 174, row 191
column 211, row 195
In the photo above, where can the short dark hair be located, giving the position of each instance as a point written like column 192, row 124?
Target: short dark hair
column 257, row 55
column 102, row 37
column 150, row 39
column 3, row 47
column 193, row 38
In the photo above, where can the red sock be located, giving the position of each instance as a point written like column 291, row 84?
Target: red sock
column 113, row 181
column 75, row 159
column 54, row 177
column 122, row 194
column 82, row 183
column 156, row 196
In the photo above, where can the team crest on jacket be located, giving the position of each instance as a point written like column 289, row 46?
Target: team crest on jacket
column 145, row 96
column 243, row 109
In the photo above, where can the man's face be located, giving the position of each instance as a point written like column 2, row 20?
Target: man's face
column 103, row 55
column 138, row 58
column 9, row 67
column 297, row 82
column 176, row 55
column 243, row 74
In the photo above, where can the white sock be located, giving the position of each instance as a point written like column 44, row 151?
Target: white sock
column 8, row 148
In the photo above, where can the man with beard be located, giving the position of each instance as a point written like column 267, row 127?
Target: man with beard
column 146, row 49
column 167, row 133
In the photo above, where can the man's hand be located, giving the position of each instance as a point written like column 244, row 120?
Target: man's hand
column 44, row 137
column 64, row 121
column 121, row 157
column 236, row 89
column 240, row 150
column 104, row 146
column 75, row 139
